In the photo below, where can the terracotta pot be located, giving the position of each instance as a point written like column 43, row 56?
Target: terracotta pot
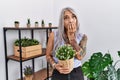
column 50, row 24
column 16, row 23
column 68, row 63
column 28, row 25
column 29, row 77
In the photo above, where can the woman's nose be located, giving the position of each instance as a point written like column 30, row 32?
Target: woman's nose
column 71, row 20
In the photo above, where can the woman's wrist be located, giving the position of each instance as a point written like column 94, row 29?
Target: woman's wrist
column 53, row 65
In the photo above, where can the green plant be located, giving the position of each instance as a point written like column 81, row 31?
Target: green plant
column 28, row 70
column 100, row 67
column 50, row 23
column 43, row 23
column 36, row 22
column 16, row 22
column 28, row 21
column 26, row 42
column 65, row 52
column 113, row 72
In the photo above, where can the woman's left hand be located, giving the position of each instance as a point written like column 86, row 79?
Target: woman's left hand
column 61, row 69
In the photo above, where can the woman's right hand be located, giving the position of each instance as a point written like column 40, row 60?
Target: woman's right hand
column 61, row 69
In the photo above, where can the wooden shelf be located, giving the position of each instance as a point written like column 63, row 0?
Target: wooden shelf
column 31, row 28
column 15, row 58
column 20, row 60
column 41, row 74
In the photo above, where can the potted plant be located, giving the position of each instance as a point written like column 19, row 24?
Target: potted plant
column 36, row 24
column 28, row 23
column 50, row 24
column 30, row 47
column 28, row 72
column 65, row 55
column 100, row 67
column 16, row 23
column 43, row 23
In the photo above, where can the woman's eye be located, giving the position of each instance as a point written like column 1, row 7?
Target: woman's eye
column 73, row 16
column 66, row 17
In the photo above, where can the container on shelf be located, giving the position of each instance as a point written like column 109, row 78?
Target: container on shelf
column 16, row 23
column 28, row 51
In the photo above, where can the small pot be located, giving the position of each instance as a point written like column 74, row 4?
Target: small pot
column 28, row 25
column 36, row 24
column 67, row 63
column 50, row 24
column 16, row 23
column 43, row 25
column 29, row 77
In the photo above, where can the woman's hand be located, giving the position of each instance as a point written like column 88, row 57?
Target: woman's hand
column 71, row 31
column 71, row 28
column 61, row 69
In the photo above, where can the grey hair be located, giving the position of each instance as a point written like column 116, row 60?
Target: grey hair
column 61, row 30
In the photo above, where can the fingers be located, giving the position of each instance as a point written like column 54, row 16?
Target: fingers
column 64, row 70
column 71, row 27
column 61, row 69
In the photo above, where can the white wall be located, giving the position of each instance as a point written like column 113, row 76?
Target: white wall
column 99, row 19
column 21, row 10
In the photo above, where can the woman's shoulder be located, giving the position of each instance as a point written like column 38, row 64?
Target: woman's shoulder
column 53, row 34
column 81, row 35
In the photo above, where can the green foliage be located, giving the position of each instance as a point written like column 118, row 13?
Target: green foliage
column 26, row 42
column 100, row 67
column 65, row 52
column 36, row 22
column 42, row 22
column 96, row 64
column 28, row 21
column 28, row 70
column 119, row 53
column 16, row 22
column 112, row 73
column 118, row 73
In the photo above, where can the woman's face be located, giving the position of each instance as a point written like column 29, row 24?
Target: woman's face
column 70, row 20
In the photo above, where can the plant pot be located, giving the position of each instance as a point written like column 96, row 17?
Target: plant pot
column 29, row 77
column 36, row 24
column 16, row 23
column 67, row 63
column 28, row 25
column 28, row 51
column 50, row 24
column 43, row 25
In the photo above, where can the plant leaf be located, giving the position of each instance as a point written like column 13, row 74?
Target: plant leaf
column 87, row 70
column 119, row 53
column 97, row 64
column 118, row 73
column 112, row 73
column 102, row 76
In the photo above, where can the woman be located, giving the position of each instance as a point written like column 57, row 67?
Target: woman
column 68, row 33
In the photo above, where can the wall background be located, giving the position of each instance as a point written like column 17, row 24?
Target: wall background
column 99, row 19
